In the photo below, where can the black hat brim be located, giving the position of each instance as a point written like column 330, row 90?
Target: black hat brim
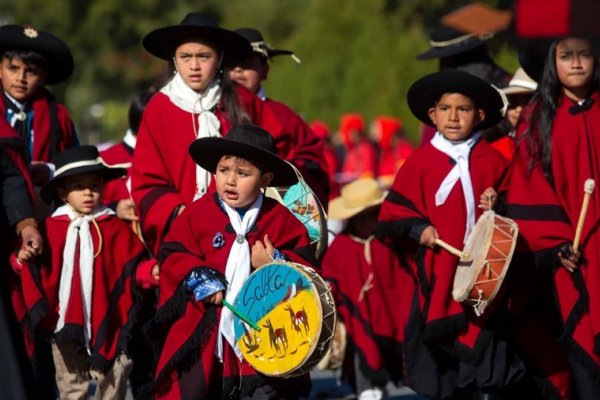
column 452, row 50
column 425, row 92
column 47, row 192
column 162, row 42
column 59, row 60
column 206, row 152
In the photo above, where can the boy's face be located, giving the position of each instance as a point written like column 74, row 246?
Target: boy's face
column 82, row 192
column 197, row 63
column 239, row 182
column 455, row 116
column 21, row 81
column 250, row 72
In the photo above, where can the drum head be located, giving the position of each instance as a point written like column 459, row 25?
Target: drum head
column 476, row 247
column 283, row 301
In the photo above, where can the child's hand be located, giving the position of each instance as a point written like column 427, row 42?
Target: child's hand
column 568, row 258
column 156, row 272
column 126, row 210
column 216, row 298
column 25, row 254
column 32, row 240
column 262, row 254
column 428, row 237
column 488, row 199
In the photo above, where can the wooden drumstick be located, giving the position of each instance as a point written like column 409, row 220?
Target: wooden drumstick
column 451, row 249
column 588, row 188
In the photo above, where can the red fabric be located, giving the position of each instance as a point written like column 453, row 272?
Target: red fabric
column 11, row 145
column 542, row 17
column 505, row 145
column 412, row 201
column 360, row 161
column 163, row 173
column 188, row 245
column 321, row 129
column 116, row 189
column 113, row 306
column 391, row 160
column 372, row 316
column 300, row 146
column 548, row 219
column 41, row 127
column 351, row 122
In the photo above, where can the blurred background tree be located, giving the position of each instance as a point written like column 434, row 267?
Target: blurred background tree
column 357, row 55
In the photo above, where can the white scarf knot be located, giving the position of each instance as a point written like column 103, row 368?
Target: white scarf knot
column 79, row 228
column 237, row 270
column 460, row 154
column 200, row 104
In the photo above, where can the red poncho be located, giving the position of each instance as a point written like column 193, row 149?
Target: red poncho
column 369, row 299
column 187, row 367
column 114, row 310
column 116, row 189
column 547, row 214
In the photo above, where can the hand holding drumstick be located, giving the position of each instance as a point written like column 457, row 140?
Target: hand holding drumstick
column 430, row 238
column 569, row 255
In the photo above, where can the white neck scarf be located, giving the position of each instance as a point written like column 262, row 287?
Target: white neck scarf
column 460, row 154
column 130, row 139
column 208, row 124
column 237, row 270
column 78, row 228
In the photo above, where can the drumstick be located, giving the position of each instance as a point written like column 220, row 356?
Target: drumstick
column 451, row 249
column 241, row 315
column 588, row 188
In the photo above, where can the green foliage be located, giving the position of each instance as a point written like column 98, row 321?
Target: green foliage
column 357, row 55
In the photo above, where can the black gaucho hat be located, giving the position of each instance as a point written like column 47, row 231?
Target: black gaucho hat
column 249, row 142
column 163, row 42
column 260, row 46
column 59, row 61
column 76, row 161
column 424, row 93
column 446, row 42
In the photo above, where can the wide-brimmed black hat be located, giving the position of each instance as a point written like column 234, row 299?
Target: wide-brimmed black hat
column 249, row 142
column 260, row 46
column 424, row 93
column 76, row 161
column 59, row 61
column 163, row 42
column 446, row 42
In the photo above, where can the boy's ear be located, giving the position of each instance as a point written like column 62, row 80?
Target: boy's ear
column 266, row 179
column 431, row 113
column 481, row 115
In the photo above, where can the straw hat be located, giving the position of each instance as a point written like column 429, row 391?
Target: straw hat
column 356, row 197
column 521, row 83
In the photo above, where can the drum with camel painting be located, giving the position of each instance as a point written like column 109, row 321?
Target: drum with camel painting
column 295, row 313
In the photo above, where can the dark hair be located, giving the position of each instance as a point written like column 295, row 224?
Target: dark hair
column 136, row 109
column 29, row 57
column 545, row 102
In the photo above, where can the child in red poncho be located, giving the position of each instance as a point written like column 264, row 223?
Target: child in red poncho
column 365, row 277
column 83, row 292
column 448, row 350
column 207, row 256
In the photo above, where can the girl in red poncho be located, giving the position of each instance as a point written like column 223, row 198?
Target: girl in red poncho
column 199, row 101
column 394, row 148
column 448, row 350
column 207, row 256
column 360, row 158
column 557, row 151
column 365, row 277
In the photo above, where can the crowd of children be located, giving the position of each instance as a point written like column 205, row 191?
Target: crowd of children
column 128, row 272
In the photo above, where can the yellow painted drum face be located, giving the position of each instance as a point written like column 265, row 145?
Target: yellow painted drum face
column 284, row 303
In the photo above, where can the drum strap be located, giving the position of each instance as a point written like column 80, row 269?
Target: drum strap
column 237, row 269
column 459, row 152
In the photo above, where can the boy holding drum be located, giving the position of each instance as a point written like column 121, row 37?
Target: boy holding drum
column 207, row 256
column 448, row 350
